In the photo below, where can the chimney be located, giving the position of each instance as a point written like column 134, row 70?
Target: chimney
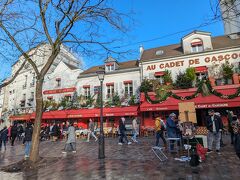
column 141, row 49
column 231, row 17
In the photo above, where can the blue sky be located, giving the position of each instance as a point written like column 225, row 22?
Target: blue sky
column 155, row 19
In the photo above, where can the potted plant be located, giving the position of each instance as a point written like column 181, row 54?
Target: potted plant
column 227, row 70
column 167, row 77
column 183, row 81
column 236, row 74
column 191, row 74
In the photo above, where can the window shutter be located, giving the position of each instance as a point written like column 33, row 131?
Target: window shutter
column 121, row 91
column 151, row 75
column 135, row 86
column 116, row 88
column 91, row 90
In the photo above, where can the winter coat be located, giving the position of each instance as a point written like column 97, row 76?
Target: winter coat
column 55, row 130
column 28, row 133
column 217, row 121
column 14, row 130
column 71, row 135
column 122, row 127
column 4, row 134
column 171, row 128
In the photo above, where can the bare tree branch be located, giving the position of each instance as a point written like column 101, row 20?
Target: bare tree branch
column 26, row 56
column 15, row 75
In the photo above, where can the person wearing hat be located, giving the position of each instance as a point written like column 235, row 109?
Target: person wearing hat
column 214, row 125
column 159, row 129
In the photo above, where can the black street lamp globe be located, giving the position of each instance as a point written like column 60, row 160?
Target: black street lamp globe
column 101, row 149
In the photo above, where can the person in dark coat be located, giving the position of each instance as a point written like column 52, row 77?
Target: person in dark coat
column 28, row 139
column 122, row 130
column 236, row 130
column 13, row 133
column 55, row 132
column 3, row 137
column 214, row 125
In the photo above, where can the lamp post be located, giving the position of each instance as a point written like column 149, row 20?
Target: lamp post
column 101, row 148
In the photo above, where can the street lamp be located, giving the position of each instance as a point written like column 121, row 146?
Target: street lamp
column 101, row 148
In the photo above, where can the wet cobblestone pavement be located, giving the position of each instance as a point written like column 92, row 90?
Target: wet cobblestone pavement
column 135, row 161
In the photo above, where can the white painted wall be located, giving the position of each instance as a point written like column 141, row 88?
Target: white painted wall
column 183, row 62
column 118, row 78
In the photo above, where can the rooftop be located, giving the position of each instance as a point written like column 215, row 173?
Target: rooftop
column 218, row 42
column 122, row 65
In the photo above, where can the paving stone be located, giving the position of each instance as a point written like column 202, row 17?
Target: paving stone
column 135, row 161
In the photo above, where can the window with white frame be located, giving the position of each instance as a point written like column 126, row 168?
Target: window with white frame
column 128, row 89
column 110, row 91
column 197, row 46
column 86, row 92
column 110, row 67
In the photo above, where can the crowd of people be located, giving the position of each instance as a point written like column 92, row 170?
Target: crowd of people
column 213, row 124
column 172, row 128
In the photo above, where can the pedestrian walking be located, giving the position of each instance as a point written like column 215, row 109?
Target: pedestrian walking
column 71, row 139
column 230, row 128
column 160, row 126
column 171, row 128
column 55, row 132
column 135, row 130
column 221, row 139
column 28, row 139
column 122, row 130
column 91, row 130
column 13, row 133
column 214, row 125
column 236, row 130
column 3, row 138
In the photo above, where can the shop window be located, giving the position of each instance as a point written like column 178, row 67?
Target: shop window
column 128, row 89
column 87, row 92
column 110, row 91
column 197, row 46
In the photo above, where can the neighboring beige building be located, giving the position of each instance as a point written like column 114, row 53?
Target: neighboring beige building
column 122, row 78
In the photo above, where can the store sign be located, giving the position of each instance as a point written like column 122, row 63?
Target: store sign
column 58, row 91
column 220, row 105
column 201, row 61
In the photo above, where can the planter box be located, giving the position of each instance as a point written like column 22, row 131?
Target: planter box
column 235, row 78
column 218, row 82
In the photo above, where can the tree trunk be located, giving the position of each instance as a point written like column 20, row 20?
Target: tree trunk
column 34, row 154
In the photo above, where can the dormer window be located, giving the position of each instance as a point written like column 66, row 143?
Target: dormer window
column 196, row 45
column 110, row 67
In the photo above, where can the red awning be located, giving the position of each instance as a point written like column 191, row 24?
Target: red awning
column 86, row 86
column 24, row 117
column 90, row 113
column 110, row 84
column 201, row 102
column 127, row 82
column 201, row 69
column 160, row 73
column 109, row 64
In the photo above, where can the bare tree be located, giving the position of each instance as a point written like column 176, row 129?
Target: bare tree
column 82, row 24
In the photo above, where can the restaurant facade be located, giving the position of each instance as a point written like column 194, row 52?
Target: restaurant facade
column 197, row 50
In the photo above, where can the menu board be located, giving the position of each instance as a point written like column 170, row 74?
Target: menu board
column 187, row 112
